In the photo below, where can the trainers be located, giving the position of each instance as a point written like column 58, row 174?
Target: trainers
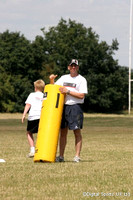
column 76, row 159
column 31, row 154
column 59, row 159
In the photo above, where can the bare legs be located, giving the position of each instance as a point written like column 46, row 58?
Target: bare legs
column 63, row 141
column 30, row 139
column 78, row 142
column 31, row 143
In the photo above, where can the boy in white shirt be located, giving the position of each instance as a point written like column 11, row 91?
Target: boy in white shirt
column 33, row 105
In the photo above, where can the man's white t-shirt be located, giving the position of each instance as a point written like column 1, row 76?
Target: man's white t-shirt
column 76, row 84
column 35, row 100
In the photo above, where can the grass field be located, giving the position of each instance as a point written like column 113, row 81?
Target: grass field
column 105, row 172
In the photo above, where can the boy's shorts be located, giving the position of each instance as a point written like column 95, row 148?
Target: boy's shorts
column 32, row 126
column 72, row 117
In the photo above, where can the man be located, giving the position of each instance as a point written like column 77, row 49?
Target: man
column 75, row 88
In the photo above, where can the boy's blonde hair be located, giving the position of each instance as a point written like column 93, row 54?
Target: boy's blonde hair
column 39, row 85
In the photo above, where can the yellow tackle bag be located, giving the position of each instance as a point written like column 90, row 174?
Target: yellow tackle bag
column 49, row 125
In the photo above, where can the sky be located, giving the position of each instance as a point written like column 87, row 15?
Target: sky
column 110, row 19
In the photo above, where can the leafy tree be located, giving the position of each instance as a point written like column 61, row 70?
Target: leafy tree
column 107, row 81
column 17, row 75
column 6, row 92
column 23, row 86
column 22, row 62
column 16, row 55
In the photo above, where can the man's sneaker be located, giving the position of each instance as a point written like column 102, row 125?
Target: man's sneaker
column 76, row 159
column 31, row 154
column 59, row 159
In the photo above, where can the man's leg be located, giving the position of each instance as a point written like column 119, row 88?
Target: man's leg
column 63, row 141
column 78, row 141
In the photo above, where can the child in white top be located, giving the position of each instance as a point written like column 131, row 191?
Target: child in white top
column 33, row 105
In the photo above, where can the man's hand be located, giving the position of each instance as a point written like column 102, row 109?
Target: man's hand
column 63, row 90
column 52, row 77
column 78, row 95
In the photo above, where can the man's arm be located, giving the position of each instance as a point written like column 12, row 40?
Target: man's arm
column 64, row 90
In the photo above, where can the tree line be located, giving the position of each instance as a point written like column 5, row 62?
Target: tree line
column 23, row 61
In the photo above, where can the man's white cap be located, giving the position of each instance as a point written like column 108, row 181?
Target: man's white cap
column 74, row 61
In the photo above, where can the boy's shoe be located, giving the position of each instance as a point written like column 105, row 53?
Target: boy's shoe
column 59, row 159
column 31, row 154
column 76, row 159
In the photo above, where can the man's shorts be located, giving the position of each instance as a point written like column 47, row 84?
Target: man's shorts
column 72, row 117
column 32, row 126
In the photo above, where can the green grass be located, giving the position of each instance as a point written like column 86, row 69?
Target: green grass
column 106, row 169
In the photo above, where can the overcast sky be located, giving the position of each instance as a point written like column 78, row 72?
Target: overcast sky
column 110, row 19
